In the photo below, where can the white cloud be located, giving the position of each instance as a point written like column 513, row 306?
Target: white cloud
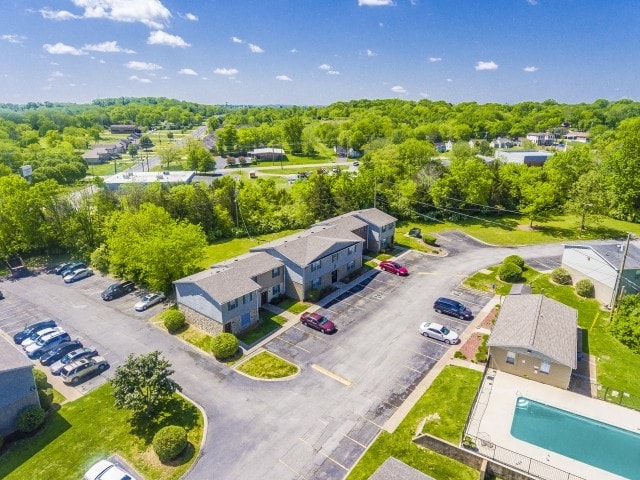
column 371, row 53
column 381, row 25
column 424, row 94
column 284, row 78
column 486, row 66
column 187, row 71
column 530, row 69
column 325, row 66
column 228, row 72
column 56, row 74
column 191, row 16
column 255, row 48
column 237, row 40
column 293, row 50
column 435, row 59
column 106, row 47
column 375, row 3
column 398, row 89
column 333, row 72
column 49, row 14
column 11, row 38
column 101, row 61
column 62, row 49
column 449, row 80
column 160, row 37
column 149, row 12
column 532, row 2
column 138, row 79
column 142, row 66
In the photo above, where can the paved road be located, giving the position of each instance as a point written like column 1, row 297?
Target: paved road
column 316, row 425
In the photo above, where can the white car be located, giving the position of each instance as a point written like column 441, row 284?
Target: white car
column 439, row 332
column 78, row 274
column 149, row 300
column 33, row 338
column 105, row 470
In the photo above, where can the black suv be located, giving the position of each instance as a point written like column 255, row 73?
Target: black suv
column 117, row 290
column 26, row 333
column 452, row 307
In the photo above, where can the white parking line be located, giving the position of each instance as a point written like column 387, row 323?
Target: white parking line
column 313, row 334
column 453, row 319
column 355, row 441
column 425, row 355
column 411, row 368
column 293, row 344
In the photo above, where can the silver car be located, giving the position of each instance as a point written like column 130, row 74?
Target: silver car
column 77, row 354
column 76, row 371
column 78, row 275
column 439, row 332
column 33, row 338
column 149, row 300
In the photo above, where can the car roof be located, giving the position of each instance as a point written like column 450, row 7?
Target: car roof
column 437, row 326
column 449, row 300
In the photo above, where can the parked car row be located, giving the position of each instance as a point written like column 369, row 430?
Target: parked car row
column 72, row 271
column 440, row 332
column 55, row 349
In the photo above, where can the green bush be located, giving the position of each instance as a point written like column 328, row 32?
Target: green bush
column 46, row 398
column 483, row 350
column 173, row 319
column 510, row 272
column 561, row 276
column 224, row 345
column 429, row 240
column 41, row 379
column 584, row 288
column 515, row 259
column 459, row 355
column 313, row 295
column 30, row 418
column 169, row 442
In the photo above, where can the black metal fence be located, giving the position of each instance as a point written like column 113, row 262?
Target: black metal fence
column 515, row 460
column 584, row 386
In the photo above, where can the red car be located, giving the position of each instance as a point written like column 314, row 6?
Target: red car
column 318, row 322
column 393, row 267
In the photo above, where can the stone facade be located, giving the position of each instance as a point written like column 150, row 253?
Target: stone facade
column 200, row 321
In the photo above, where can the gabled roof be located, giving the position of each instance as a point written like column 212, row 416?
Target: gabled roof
column 347, row 222
column 375, row 217
column 12, row 359
column 539, row 325
column 612, row 254
column 230, row 280
column 306, row 250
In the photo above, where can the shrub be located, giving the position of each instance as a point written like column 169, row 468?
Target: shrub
column 41, row 379
column 313, row 295
column 561, row 276
column 429, row 240
column 169, row 442
column 173, row 319
column 46, row 398
column 515, row 259
column 224, row 345
column 584, row 288
column 510, row 272
column 459, row 355
column 483, row 350
column 30, row 418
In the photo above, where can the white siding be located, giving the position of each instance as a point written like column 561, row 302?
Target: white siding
column 585, row 261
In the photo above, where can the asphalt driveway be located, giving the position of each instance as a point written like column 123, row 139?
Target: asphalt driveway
column 317, row 424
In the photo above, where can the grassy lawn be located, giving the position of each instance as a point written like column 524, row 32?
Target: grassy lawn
column 446, row 403
column 197, row 338
column 513, row 230
column 108, row 168
column 269, row 322
column 293, row 306
column 484, row 281
column 91, row 428
column 415, row 244
column 267, row 365
column 225, row 249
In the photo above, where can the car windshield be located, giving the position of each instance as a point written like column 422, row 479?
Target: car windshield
column 445, row 331
column 322, row 320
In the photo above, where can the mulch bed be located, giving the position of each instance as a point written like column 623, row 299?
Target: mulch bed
column 488, row 320
column 470, row 347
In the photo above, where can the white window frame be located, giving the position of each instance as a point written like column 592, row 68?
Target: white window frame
column 545, row 367
column 316, row 265
column 233, row 304
column 511, row 358
column 316, row 282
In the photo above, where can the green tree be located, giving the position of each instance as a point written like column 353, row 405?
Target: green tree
column 141, row 384
column 213, row 124
column 149, row 247
column 132, row 149
column 292, row 129
column 145, row 143
column 537, row 196
column 198, row 157
column 589, row 198
column 170, row 154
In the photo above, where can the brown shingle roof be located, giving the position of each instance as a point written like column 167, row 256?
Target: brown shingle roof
column 539, row 324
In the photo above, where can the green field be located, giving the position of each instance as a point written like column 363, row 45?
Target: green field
column 266, row 365
column 445, row 406
column 90, row 429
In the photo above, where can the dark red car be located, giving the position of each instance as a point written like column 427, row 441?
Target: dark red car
column 394, row 267
column 318, row 322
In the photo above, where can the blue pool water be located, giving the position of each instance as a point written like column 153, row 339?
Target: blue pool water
column 604, row 446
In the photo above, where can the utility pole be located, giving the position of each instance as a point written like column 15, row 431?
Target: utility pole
column 375, row 191
column 619, row 278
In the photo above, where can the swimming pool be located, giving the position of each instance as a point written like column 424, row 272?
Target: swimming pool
column 598, row 444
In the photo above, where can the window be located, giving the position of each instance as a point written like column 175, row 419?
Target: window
column 545, row 367
column 315, row 283
column 244, row 299
column 351, row 265
column 351, row 250
column 276, row 289
column 315, row 266
column 275, row 272
column 511, row 358
column 384, row 228
column 233, row 304
column 334, row 257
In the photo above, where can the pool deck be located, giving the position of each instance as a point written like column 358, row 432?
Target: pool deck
column 495, row 424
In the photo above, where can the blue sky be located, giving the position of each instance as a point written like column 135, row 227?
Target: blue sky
column 319, row 51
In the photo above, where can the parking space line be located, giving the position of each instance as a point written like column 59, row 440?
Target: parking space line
column 291, row 468
column 294, row 345
column 335, row 461
column 411, row 368
column 330, row 374
column 372, row 422
column 355, row 441
column 454, row 319
column 436, row 342
column 390, row 404
column 313, row 334
column 425, row 355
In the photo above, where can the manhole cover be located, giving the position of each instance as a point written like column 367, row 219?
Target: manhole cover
column 377, row 296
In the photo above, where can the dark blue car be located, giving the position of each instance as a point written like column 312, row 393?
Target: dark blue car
column 26, row 333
